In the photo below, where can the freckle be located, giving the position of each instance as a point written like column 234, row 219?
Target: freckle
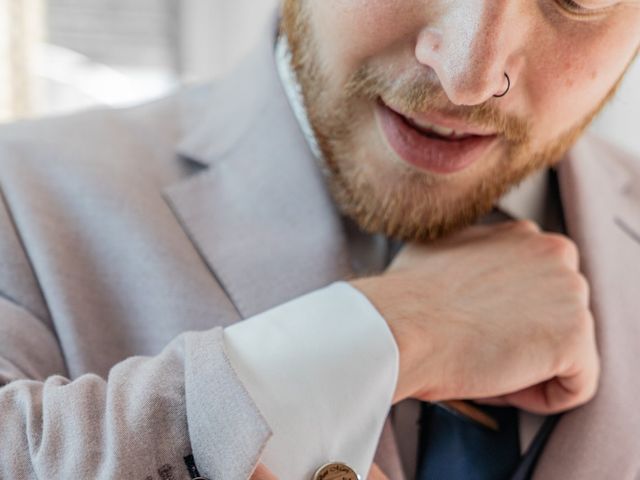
column 594, row 75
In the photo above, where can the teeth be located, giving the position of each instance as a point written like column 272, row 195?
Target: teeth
column 442, row 131
column 459, row 135
column 438, row 130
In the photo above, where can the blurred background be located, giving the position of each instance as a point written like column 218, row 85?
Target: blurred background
column 57, row 56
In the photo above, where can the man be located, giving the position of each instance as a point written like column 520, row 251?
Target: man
column 367, row 142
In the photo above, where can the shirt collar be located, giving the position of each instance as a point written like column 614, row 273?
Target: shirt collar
column 294, row 92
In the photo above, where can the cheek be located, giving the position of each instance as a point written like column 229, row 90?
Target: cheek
column 349, row 32
column 573, row 82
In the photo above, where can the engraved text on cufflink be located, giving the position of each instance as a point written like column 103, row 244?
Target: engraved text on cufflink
column 336, row 471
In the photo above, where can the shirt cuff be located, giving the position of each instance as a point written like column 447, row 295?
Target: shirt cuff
column 323, row 370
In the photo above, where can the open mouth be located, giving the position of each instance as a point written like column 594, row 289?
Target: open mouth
column 433, row 142
column 437, row 132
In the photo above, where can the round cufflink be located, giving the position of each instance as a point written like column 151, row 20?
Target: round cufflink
column 336, row 471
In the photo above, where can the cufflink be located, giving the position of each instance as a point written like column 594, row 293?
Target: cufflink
column 336, row 471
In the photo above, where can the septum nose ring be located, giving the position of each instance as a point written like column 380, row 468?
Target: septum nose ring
column 508, row 87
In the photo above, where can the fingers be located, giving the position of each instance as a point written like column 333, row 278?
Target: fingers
column 554, row 396
column 543, row 399
column 377, row 474
column 263, row 473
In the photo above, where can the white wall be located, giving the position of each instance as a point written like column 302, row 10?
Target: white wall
column 217, row 33
column 21, row 27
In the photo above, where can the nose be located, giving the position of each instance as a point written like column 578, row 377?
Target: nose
column 471, row 45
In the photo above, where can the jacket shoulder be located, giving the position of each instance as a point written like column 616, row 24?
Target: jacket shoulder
column 84, row 135
column 606, row 150
column 54, row 170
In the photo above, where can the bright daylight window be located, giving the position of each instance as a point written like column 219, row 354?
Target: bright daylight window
column 59, row 55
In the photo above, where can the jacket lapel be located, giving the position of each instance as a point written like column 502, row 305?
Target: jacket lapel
column 388, row 456
column 259, row 211
column 530, row 459
column 600, row 195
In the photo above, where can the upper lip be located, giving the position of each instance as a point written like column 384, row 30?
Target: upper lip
column 427, row 119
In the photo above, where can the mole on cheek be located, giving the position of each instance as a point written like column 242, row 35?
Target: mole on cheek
column 569, row 73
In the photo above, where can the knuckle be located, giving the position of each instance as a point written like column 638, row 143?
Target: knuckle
column 580, row 398
column 589, row 390
column 592, row 389
column 575, row 289
column 595, row 369
column 558, row 245
column 580, row 323
column 573, row 282
column 579, row 340
column 558, row 249
column 524, row 226
column 568, row 248
column 579, row 285
column 597, row 372
column 572, row 333
column 583, row 323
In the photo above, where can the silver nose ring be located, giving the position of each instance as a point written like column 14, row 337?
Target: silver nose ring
column 508, row 87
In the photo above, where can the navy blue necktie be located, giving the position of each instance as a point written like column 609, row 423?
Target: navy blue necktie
column 456, row 448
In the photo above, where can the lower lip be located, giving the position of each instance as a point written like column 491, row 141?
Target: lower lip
column 435, row 155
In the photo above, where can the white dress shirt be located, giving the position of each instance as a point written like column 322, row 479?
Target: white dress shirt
column 323, row 389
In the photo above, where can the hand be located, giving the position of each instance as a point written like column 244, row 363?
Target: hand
column 495, row 313
column 376, row 474
column 263, row 473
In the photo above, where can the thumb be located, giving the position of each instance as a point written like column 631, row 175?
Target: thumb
column 263, row 473
column 377, row 474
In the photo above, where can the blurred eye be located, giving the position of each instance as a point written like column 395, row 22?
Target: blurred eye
column 577, row 9
column 573, row 7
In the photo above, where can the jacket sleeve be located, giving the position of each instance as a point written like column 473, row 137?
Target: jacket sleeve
column 139, row 423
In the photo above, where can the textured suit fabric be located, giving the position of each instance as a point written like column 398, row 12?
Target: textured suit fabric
column 94, row 272
column 122, row 229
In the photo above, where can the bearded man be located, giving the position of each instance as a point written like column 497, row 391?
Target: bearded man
column 381, row 248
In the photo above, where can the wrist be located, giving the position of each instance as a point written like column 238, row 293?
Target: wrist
column 414, row 341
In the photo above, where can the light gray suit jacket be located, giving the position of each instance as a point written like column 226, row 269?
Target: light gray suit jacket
column 122, row 229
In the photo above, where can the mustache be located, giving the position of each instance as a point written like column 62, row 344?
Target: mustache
column 417, row 92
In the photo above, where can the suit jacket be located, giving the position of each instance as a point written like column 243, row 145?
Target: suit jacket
column 122, row 229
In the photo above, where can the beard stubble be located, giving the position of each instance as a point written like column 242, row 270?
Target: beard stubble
column 390, row 197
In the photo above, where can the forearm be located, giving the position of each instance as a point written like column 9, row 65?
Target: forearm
column 144, row 418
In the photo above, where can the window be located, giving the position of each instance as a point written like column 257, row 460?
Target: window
column 20, row 30
column 59, row 55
